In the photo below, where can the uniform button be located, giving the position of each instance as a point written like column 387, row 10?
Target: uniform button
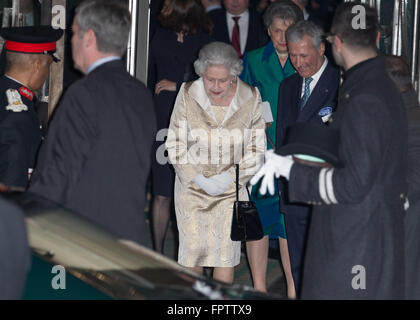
column 402, row 195
column 347, row 95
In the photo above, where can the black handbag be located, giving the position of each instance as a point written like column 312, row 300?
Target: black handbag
column 246, row 224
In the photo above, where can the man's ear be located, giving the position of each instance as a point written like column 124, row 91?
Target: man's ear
column 36, row 63
column 89, row 38
column 321, row 49
column 338, row 43
column 378, row 37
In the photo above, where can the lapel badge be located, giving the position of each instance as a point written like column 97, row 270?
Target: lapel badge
column 325, row 113
column 15, row 101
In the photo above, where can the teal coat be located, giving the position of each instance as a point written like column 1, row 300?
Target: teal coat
column 262, row 69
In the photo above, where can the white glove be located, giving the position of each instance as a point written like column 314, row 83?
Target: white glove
column 212, row 188
column 274, row 166
column 223, row 180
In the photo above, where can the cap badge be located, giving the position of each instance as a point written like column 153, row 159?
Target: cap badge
column 15, row 101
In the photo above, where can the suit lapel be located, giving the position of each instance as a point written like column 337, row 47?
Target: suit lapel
column 296, row 98
column 317, row 97
column 225, row 30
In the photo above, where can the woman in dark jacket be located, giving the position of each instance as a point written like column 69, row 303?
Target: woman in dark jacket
column 185, row 28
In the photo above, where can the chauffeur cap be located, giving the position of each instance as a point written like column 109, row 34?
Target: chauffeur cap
column 36, row 39
column 312, row 142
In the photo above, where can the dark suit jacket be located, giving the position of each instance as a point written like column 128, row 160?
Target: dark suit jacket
column 14, row 250
column 95, row 160
column 257, row 35
column 323, row 95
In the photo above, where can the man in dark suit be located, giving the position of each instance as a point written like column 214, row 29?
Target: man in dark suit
column 355, row 247
column 307, row 96
column 239, row 26
column 15, row 258
column 96, row 157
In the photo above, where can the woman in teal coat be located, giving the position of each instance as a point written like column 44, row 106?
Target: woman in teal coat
column 266, row 68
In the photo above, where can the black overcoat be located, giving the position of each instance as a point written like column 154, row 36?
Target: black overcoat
column 355, row 242
column 96, row 156
column 412, row 216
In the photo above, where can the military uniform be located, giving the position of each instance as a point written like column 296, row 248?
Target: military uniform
column 20, row 134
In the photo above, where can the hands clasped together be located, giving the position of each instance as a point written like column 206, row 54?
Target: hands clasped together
column 214, row 185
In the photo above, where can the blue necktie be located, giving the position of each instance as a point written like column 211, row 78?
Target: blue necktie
column 306, row 93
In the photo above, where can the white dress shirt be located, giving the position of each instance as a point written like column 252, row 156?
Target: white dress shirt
column 315, row 78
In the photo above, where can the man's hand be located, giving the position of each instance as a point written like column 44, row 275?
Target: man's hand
column 274, row 167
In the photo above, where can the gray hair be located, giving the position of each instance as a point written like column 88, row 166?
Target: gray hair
column 218, row 54
column 109, row 20
column 283, row 10
column 296, row 32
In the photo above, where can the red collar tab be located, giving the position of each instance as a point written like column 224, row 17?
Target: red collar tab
column 28, row 94
column 29, row 47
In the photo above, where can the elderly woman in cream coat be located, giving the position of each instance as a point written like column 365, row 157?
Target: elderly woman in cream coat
column 216, row 123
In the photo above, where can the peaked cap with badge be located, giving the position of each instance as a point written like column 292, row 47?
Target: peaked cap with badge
column 36, row 39
column 20, row 134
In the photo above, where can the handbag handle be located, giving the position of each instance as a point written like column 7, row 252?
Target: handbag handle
column 237, row 183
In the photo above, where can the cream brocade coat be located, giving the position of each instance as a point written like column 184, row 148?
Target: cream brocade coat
column 198, row 144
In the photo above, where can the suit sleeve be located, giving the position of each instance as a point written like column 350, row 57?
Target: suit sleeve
column 363, row 140
column 71, row 137
column 14, row 151
column 279, row 128
column 151, row 74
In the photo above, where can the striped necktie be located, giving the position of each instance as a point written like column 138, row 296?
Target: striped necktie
column 306, row 93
